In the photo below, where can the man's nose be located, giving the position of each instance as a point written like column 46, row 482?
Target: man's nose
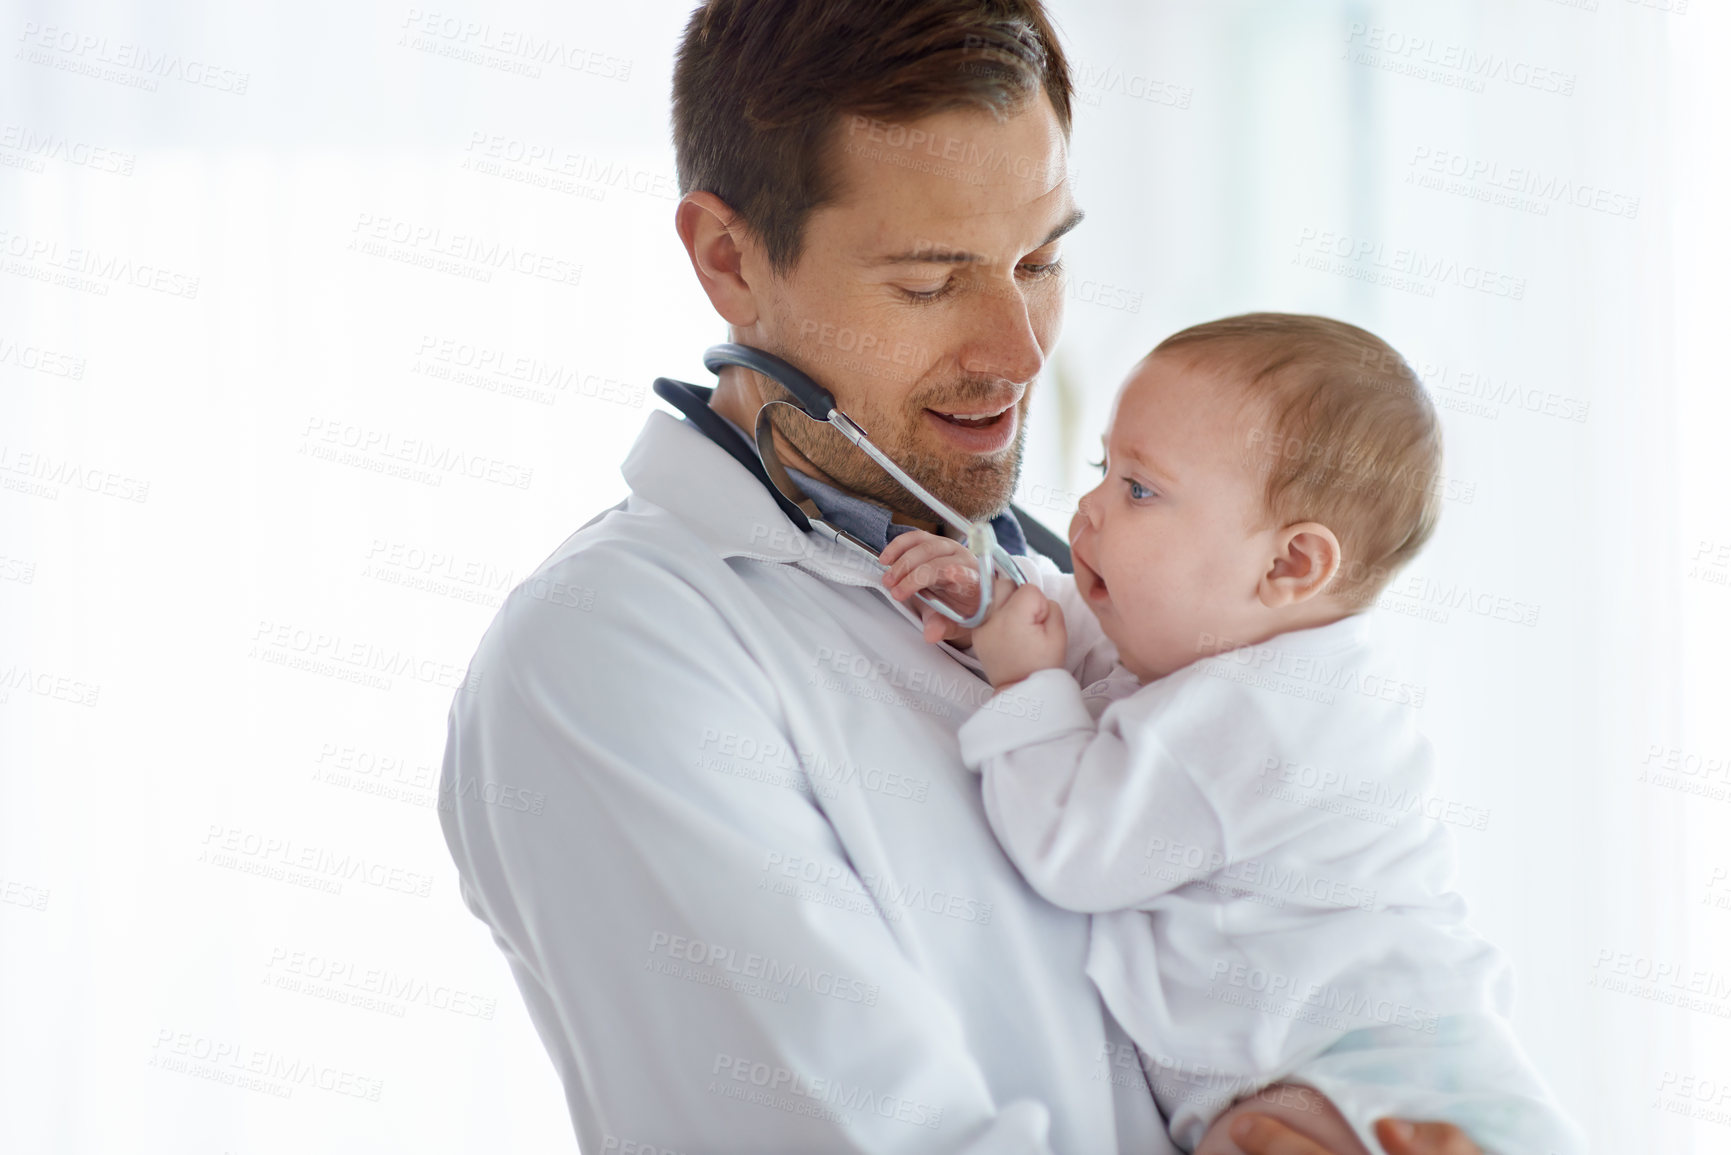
column 1002, row 341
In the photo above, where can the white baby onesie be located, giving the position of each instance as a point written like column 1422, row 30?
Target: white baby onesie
column 1257, row 837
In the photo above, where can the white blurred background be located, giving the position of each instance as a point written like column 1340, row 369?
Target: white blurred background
column 221, row 323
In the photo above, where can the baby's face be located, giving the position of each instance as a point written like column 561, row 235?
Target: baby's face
column 1172, row 544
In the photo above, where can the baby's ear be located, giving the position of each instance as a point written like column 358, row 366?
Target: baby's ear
column 1306, row 558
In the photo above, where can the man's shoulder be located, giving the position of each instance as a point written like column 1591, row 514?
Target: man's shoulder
column 625, row 542
column 619, row 573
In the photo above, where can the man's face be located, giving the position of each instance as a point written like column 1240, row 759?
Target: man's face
column 926, row 299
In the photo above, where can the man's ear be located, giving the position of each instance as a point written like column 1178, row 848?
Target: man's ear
column 718, row 246
column 1306, row 558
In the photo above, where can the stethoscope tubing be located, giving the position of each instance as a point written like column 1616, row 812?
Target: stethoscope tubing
column 817, row 403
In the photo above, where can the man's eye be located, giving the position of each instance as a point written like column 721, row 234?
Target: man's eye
column 923, row 295
column 1138, row 491
column 1027, row 272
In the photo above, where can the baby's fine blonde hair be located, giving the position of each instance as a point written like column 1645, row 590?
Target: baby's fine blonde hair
column 1342, row 428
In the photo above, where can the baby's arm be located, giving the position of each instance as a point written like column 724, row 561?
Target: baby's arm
column 1088, row 653
column 1095, row 819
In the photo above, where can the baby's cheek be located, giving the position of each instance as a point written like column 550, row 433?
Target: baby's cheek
column 1163, row 645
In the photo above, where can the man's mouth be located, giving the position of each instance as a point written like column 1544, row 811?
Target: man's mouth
column 977, row 430
column 972, row 420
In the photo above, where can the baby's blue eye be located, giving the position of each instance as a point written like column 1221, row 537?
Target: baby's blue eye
column 1137, row 490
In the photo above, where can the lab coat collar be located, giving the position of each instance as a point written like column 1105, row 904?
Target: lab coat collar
column 676, row 467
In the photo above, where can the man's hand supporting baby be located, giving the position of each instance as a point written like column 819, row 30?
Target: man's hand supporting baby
column 1025, row 631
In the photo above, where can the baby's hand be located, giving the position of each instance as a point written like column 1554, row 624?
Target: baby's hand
column 941, row 566
column 1025, row 633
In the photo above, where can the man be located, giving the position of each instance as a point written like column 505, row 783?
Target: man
column 760, row 908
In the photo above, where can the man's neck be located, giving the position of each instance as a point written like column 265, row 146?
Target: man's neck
column 738, row 396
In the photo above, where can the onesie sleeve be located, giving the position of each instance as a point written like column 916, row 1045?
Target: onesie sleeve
column 1093, row 817
column 1089, row 654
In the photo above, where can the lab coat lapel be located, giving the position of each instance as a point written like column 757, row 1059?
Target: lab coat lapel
column 679, row 469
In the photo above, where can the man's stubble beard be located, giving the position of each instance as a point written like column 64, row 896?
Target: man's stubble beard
column 976, row 486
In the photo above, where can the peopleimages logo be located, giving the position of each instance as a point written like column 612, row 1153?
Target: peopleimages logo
column 1286, row 671
column 1414, row 270
column 1454, row 65
column 924, row 150
column 37, row 146
column 255, row 1068
column 1336, row 1002
column 785, row 873
column 1515, row 186
column 467, row 254
column 346, row 442
column 507, row 49
column 122, row 62
column 90, row 270
column 40, row 360
column 750, row 965
column 783, row 1088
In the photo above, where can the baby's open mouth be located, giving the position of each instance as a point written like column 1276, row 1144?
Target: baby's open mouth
column 1094, row 586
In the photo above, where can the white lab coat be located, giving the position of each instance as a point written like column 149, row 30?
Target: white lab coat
column 708, row 797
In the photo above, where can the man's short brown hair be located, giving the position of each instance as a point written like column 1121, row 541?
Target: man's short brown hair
column 1342, row 428
column 760, row 88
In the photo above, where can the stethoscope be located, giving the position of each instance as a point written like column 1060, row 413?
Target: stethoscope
column 813, row 401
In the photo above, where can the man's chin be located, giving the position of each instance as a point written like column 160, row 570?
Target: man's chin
column 976, row 485
column 976, row 491
column 972, row 505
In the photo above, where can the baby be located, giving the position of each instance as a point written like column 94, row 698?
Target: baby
column 1221, row 771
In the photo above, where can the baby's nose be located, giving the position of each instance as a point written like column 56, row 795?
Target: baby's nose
column 1084, row 517
column 1081, row 520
